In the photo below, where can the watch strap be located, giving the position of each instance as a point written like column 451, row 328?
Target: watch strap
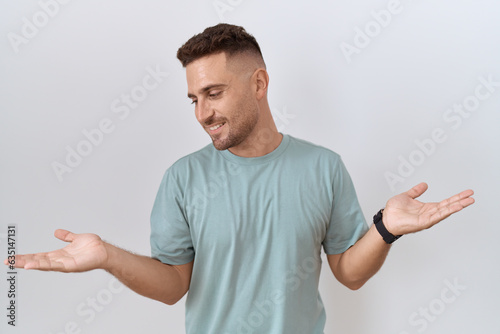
column 388, row 237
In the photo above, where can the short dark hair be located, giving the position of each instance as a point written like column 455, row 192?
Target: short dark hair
column 222, row 37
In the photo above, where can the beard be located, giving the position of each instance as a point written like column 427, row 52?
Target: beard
column 238, row 131
column 240, row 126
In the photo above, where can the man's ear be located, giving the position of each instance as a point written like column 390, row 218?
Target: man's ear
column 261, row 81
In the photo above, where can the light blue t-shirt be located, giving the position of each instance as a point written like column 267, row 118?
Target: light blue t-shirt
column 255, row 228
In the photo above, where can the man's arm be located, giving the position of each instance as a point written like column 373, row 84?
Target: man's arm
column 144, row 275
column 403, row 214
column 358, row 264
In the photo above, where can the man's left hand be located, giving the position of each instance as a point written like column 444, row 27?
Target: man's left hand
column 403, row 214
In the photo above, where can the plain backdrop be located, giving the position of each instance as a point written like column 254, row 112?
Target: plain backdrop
column 405, row 91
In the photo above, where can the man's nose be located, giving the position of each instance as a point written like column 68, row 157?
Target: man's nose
column 203, row 111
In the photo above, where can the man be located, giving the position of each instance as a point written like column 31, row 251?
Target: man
column 241, row 222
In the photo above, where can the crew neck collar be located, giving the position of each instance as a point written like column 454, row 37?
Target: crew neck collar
column 258, row 160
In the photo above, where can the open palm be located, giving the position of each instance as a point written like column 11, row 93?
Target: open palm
column 85, row 252
column 404, row 214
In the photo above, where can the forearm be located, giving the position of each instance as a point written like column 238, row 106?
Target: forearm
column 360, row 262
column 147, row 276
column 403, row 214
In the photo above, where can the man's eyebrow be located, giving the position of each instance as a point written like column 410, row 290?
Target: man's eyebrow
column 207, row 88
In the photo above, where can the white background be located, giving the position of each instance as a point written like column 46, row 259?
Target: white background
column 371, row 107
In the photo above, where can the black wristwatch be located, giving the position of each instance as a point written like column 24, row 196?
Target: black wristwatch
column 386, row 235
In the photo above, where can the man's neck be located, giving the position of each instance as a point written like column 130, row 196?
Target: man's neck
column 263, row 142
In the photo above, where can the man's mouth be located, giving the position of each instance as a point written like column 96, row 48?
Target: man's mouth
column 215, row 128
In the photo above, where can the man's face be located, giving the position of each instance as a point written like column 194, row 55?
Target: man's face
column 224, row 104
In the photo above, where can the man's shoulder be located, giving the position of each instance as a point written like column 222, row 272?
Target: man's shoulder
column 309, row 149
column 197, row 157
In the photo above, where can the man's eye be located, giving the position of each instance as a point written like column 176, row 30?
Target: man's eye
column 194, row 102
column 214, row 95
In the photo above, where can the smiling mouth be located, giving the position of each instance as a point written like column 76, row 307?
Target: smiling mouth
column 215, row 128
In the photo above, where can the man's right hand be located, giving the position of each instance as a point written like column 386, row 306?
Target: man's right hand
column 85, row 252
column 145, row 275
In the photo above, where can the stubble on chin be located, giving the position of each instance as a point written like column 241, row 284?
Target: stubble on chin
column 232, row 139
column 222, row 144
column 238, row 131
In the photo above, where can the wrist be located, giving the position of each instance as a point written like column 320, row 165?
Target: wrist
column 119, row 263
column 378, row 221
column 110, row 258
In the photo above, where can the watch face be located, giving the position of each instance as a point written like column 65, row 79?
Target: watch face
column 378, row 217
column 388, row 237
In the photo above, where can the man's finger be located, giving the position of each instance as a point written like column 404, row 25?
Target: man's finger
column 21, row 260
column 40, row 263
column 463, row 198
column 418, row 190
column 460, row 204
column 466, row 193
column 64, row 235
column 45, row 262
column 452, row 205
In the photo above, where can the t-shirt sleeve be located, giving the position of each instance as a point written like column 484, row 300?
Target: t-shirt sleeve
column 347, row 222
column 170, row 239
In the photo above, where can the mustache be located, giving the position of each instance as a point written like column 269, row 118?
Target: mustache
column 214, row 120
